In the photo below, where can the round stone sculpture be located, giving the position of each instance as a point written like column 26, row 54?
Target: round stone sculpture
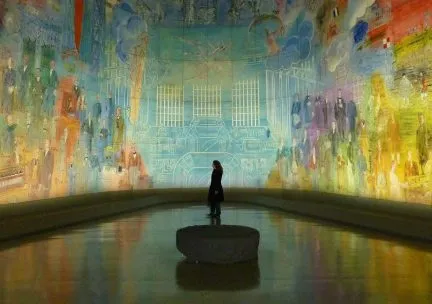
column 223, row 244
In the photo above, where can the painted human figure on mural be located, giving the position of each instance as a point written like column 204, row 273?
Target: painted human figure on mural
column 46, row 169
column 72, row 174
column 380, row 164
column 296, row 118
column 9, row 136
column 37, row 92
column 351, row 164
column 97, row 111
column 351, row 110
column 395, row 184
column 102, row 143
column 82, row 106
column 422, row 142
column 424, row 87
column 340, row 114
column 33, row 175
column 411, row 170
column 88, row 130
column 406, row 88
column 9, row 87
column 393, row 138
column 317, row 112
column 326, row 166
column 314, row 168
column 341, row 174
column 119, row 130
column 25, row 81
column 326, row 110
column 306, row 148
column 134, row 167
column 51, row 90
column 334, row 139
column 307, row 111
column 361, row 172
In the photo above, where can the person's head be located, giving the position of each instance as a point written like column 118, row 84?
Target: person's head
column 52, row 64
column 217, row 165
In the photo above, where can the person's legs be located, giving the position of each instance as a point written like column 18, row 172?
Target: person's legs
column 218, row 208
column 212, row 208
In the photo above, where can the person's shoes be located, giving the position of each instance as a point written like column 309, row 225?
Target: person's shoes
column 210, row 215
column 216, row 215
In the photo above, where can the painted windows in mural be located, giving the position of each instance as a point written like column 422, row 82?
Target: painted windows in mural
column 170, row 106
column 245, row 104
column 207, row 101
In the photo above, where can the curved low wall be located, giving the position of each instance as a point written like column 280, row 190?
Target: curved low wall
column 403, row 219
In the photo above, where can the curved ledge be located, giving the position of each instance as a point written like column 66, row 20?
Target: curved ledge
column 403, row 219
column 224, row 244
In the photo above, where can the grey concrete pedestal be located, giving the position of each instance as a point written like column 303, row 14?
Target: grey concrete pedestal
column 223, row 244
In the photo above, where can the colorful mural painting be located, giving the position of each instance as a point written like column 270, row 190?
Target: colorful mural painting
column 326, row 95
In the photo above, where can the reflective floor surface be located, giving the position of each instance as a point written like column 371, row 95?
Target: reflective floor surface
column 134, row 260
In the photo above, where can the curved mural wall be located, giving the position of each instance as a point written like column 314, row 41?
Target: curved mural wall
column 330, row 95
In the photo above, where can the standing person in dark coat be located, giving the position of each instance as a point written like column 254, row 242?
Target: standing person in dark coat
column 216, row 194
column 46, row 169
column 9, row 87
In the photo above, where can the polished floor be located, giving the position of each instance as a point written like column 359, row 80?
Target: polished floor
column 133, row 259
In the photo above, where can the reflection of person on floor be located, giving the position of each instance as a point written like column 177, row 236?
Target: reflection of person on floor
column 422, row 142
column 9, row 139
column 216, row 193
column 134, row 167
column 46, row 169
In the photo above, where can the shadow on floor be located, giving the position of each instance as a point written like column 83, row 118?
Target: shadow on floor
column 212, row 277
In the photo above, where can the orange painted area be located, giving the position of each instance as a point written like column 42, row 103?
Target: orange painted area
column 409, row 17
column 72, row 124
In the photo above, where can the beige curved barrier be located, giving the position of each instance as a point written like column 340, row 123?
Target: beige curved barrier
column 403, row 219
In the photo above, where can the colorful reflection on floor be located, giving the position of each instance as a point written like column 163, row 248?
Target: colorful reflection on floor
column 134, row 260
